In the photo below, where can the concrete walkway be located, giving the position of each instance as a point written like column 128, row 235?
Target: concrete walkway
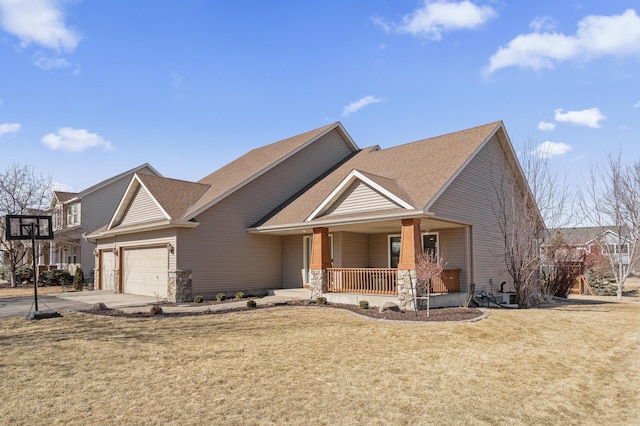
column 131, row 303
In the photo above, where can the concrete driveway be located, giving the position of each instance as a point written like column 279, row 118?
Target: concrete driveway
column 72, row 301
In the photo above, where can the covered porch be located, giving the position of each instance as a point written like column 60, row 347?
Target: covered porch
column 375, row 260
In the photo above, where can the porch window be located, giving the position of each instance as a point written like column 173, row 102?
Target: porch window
column 429, row 245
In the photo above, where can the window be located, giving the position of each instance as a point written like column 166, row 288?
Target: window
column 73, row 214
column 429, row 245
column 57, row 217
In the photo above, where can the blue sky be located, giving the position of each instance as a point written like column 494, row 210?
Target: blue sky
column 89, row 89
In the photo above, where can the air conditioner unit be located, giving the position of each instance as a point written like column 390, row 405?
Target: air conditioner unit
column 509, row 298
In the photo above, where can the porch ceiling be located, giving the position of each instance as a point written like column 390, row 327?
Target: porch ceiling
column 388, row 226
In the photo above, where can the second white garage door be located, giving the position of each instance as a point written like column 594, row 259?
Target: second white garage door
column 145, row 271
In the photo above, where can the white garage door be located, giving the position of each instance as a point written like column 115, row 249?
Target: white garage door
column 107, row 265
column 145, row 271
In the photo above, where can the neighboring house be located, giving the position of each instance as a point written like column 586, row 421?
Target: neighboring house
column 75, row 214
column 594, row 241
column 315, row 211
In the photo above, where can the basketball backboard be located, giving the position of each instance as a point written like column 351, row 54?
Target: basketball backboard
column 18, row 227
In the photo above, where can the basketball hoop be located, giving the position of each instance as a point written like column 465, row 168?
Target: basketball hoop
column 31, row 228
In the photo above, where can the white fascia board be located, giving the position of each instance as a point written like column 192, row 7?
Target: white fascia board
column 115, row 178
column 124, row 201
column 127, row 198
column 345, row 184
column 153, row 226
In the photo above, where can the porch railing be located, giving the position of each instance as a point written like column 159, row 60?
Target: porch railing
column 363, row 280
column 384, row 281
column 449, row 282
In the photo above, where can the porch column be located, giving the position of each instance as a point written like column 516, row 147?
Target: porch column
column 410, row 249
column 320, row 261
column 410, row 244
column 52, row 254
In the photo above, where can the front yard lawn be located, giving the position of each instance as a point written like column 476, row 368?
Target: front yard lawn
column 574, row 364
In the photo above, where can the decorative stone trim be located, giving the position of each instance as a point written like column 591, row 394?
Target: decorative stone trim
column 318, row 282
column 116, row 280
column 406, row 281
column 179, row 286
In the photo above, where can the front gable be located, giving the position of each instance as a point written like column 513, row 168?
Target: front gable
column 143, row 208
column 137, row 206
column 360, row 192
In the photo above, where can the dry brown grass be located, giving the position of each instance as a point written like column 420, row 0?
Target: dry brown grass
column 568, row 365
column 27, row 290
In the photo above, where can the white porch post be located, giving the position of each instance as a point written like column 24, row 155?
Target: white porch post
column 52, row 254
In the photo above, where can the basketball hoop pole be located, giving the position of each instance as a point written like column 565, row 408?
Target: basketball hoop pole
column 32, row 231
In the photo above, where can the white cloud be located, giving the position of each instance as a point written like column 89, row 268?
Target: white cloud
column 543, row 23
column 48, row 63
column 359, row 104
column 6, row 128
column 2, row 102
column 596, row 36
column 38, row 21
column 550, row 149
column 636, row 105
column 545, row 126
column 589, row 117
column 436, row 17
column 75, row 140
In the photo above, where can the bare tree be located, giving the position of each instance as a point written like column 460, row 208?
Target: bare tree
column 521, row 211
column 429, row 268
column 561, row 266
column 22, row 191
column 611, row 203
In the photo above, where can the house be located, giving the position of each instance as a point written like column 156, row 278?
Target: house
column 598, row 243
column 75, row 214
column 316, row 211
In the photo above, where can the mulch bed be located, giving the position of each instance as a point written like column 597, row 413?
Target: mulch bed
column 435, row 315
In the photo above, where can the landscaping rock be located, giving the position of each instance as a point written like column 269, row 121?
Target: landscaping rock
column 98, row 306
column 389, row 306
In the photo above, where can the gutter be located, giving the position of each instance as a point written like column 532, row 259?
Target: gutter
column 155, row 226
column 338, row 221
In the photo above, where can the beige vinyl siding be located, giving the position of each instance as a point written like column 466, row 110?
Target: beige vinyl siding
column 143, row 208
column 97, row 210
column 354, row 249
column 220, row 252
column 453, row 248
column 292, row 261
column 144, row 239
column 379, row 250
column 471, row 198
column 360, row 197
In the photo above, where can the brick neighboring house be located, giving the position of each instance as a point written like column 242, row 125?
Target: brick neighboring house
column 317, row 212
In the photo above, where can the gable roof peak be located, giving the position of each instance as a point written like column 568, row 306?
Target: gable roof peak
column 258, row 161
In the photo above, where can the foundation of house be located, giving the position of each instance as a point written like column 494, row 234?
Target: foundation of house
column 444, row 300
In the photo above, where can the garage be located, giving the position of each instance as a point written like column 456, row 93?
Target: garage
column 107, row 265
column 145, row 271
